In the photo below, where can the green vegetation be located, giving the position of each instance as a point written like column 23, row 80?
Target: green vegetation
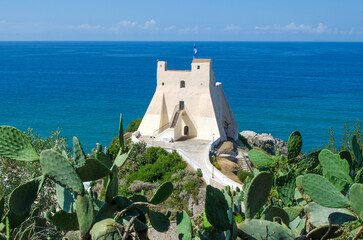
column 112, row 217
column 134, row 125
column 242, row 175
column 318, row 196
column 158, row 170
column 313, row 197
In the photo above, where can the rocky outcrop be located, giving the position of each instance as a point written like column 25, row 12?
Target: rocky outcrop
column 265, row 141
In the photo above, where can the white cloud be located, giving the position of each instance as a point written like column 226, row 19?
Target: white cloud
column 149, row 24
column 263, row 28
column 127, row 24
column 292, row 27
column 194, row 29
column 232, row 27
column 170, row 28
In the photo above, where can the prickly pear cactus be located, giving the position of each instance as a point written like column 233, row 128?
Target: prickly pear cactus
column 261, row 229
column 159, row 221
column 162, row 193
column 24, row 195
column 273, row 211
column 286, row 187
column 323, row 192
column 336, row 170
column 60, row 171
column 258, row 193
column 356, row 198
column 106, row 230
column 78, row 154
column 84, row 209
column 310, row 162
column 294, row 145
column 260, row 159
column 184, row 226
column 15, row 145
column 93, row 170
column 216, row 209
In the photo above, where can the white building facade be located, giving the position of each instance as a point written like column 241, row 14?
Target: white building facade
column 189, row 104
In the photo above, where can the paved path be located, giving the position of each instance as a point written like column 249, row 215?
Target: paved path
column 196, row 153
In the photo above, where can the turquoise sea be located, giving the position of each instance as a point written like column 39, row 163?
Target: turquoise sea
column 272, row 87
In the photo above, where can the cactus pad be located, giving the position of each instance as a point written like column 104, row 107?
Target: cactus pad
column 323, row 192
column 310, row 162
column 294, row 145
column 286, row 187
column 216, row 209
column 64, row 198
column 93, row 170
column 356, row 198
column 122, row 158
column 65, row 221
column 262, row 229
column 293, row 212
column 318, row 233
column 112, row 186
column 162, row 193
column 257, row 193
column 318, row 215
column 106, row 230
column 60, row 171
column 84, row 210
column 24, row 195
column 15, row 145
column 184, row 226
column 78, row 154
column 273, row 211
column 159, row 221
column 260, row 159
column 335, row 169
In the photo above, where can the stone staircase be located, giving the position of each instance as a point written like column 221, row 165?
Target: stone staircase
column 243, row 161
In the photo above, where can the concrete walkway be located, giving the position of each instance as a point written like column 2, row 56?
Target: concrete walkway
column 196, row 153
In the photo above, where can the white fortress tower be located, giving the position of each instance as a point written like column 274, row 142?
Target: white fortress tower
column 189, row 104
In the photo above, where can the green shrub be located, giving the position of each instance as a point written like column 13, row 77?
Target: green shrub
column 153, row 153
column 134, row 125
column 199, row 172
column 242, row 175
column 160, row 170
column 114, row 147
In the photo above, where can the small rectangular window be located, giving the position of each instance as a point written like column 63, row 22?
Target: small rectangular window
column 198, row 67
column 162, row 83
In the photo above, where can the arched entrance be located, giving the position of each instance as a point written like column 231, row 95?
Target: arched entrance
column 186, row 130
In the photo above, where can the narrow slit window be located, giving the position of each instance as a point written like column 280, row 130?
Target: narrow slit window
column 182, row 84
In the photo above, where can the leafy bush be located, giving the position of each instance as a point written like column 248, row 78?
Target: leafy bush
column 242, row 175
column 199, row 172
column 153, row 153
column 160, row 170
column 134, row 125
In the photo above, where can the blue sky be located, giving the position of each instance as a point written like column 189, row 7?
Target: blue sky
column 198, row 20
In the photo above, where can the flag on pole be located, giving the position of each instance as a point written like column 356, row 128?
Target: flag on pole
column 195, row 51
